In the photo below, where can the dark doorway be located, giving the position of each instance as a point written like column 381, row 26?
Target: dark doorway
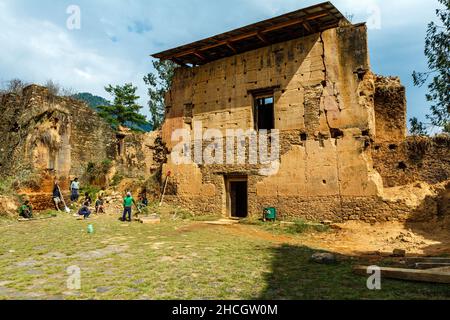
column 238, row 198
column 264, row 113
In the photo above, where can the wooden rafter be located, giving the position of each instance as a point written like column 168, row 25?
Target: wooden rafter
column 250, row 35
column 307, row 26
column 282, row 28
column 198, row 54
column 230, row 45
column 262, row 38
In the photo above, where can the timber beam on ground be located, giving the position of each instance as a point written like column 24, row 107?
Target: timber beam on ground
column 430, row 276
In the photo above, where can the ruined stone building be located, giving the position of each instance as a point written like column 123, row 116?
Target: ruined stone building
column 44, row 137
column 344, row 154
column 306, row 73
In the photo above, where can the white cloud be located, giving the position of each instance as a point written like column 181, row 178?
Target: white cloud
column 39, row 50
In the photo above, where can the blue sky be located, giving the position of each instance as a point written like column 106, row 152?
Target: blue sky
column 117, row 37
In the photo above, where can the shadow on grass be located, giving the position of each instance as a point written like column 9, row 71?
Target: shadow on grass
column 294, row 277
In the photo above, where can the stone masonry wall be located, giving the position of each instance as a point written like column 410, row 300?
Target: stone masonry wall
column 390, row 110
column 324, row 97
column 43, row 137
column 415, row 159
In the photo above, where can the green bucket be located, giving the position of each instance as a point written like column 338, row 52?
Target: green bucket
column 270, row 213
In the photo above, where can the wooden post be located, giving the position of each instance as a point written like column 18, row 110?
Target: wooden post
column 165, row 188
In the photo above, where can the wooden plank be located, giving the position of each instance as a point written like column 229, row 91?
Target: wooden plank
column 408, row 274
column 428, row 265
column 150, row 220
column 427, row 260
column 445, row 269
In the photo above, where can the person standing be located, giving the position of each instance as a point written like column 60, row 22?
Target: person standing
column 75, row 190
column 57, row 197
column 128, row 202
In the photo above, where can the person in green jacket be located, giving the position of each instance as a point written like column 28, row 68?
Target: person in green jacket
column 26, row 210
column 128, row 202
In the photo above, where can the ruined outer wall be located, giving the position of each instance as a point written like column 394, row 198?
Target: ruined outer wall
column 390, row 110
column 415, row 159
column 91, row 140
column 39, row 120
column 46, row 136
column 324, row 108
column 142, row 154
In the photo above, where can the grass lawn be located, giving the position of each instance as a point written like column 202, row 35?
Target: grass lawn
column 174, row 260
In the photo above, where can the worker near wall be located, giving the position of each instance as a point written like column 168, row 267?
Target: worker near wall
column 84, row 210
column 57, row 196
column 99, row 205
column 75, row 190
column 128, row 202
column 26, row 210
column 143, row 201
column 87, row 198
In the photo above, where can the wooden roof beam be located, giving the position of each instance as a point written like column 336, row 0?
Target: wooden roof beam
column 199, row 55
column 307, row 26
column 253, row 34
column 230, row 45
column 294, row 22
column 262, row 38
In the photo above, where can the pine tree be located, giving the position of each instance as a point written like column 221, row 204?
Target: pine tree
column 124, row 110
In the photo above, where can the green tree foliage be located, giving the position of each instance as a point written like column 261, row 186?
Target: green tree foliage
column 437, row 47
column 124, row 110
column 159, row 83
column 417, row 127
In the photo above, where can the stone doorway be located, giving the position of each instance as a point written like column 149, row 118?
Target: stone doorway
column 237, row 197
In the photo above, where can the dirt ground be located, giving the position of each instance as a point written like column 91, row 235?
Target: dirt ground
column 362, row 239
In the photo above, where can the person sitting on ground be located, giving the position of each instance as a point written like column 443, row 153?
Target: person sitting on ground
column 128, row 202
column 75, row 190
column 87, row 199
column 26, row 210
column 84, row 211
column 99, row 205
column 57, row 197
column 143, row 202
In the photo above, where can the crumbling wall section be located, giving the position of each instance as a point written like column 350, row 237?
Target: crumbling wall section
column 415, row 159
column 390, row 110
column 140, row 155
column 44, row 137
